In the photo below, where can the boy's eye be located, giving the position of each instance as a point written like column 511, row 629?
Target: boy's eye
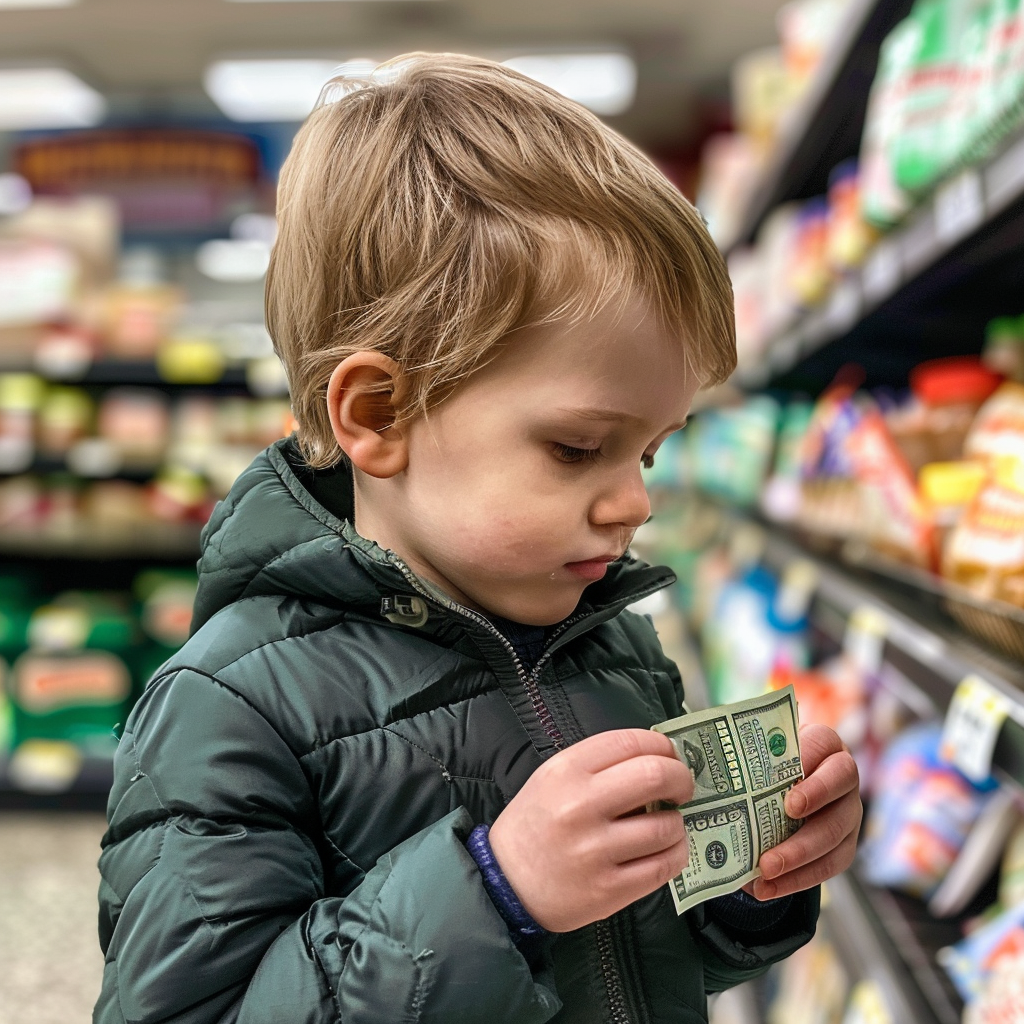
column 570, row 454
column 567, row 453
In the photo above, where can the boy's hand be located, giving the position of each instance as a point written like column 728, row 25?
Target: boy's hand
column 829, row 800
column 569, row 842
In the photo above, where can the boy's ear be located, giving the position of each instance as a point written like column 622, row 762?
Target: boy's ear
column 359, row 401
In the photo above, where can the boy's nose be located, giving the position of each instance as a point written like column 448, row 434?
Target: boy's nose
column 625, row 503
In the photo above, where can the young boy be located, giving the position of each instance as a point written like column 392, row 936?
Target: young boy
column 412, row 616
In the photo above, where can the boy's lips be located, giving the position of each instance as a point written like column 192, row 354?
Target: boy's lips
column 591, row 568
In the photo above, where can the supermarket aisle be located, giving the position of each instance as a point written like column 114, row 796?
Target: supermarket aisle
column 48, row 946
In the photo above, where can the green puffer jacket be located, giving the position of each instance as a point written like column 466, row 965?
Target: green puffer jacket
column 293, row 792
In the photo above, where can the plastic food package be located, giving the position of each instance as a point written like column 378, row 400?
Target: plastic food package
column 780, row 499
column 1002, row 998
column 920, row 817
column 137, row 422
column 883, row 202
column 971, row 961
column 136, row 318
column 763, row 90
column 998, row 428
column 849, row 235
column 985, row 551
column 947, row 395
column 730, row 164
column 807, row 29
column 896, row 520
column 928, row 140
column 1004, row 343
column 830, row 500
column 810, row 275
column 948, row 488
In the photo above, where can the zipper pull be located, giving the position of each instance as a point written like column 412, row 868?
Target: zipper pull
column 405, row 610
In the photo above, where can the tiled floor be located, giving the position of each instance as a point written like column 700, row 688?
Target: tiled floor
column 48, row 947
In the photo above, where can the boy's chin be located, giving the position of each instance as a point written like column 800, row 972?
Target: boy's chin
column 532, row 612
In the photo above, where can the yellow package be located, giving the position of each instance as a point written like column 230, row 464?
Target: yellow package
column 985, row 551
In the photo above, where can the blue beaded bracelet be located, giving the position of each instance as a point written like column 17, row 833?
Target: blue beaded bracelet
column 503, row 896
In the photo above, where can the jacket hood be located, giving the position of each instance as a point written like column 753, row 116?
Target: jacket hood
column 272, row 536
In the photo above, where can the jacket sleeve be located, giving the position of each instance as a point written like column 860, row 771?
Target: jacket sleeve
column 212, row 901
column 731, row 957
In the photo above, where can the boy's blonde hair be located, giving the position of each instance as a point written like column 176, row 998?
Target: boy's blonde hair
column 442, row 202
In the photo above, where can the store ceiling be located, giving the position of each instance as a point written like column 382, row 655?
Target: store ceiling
column 149, row 55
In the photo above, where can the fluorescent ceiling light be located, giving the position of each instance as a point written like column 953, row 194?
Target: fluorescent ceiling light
column 25, row 5
column 604, row 82
column 47, row 98
column 267, row 90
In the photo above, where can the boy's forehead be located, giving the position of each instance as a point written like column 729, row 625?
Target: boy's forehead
column 602, row 414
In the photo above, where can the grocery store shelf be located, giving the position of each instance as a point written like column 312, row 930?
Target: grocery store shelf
column 44, row 465
column 930, row 651
column 927, row 289
column 143, row 541
column 826, row 127
column 113, row 372
column 87, row 793
column 881, row 938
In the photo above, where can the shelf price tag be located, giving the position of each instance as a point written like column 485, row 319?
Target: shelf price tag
column 881, row 274
column 959, row 207
column 864, row 640
column 975, row 716
column 843, row 307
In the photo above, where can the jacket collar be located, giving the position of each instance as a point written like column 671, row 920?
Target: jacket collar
column 272, row 536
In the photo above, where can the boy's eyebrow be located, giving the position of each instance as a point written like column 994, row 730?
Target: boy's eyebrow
column 613, row 416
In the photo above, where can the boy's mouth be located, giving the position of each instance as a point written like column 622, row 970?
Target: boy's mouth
column 592, row 568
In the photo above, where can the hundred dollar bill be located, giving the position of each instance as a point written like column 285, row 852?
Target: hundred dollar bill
column 745, row 757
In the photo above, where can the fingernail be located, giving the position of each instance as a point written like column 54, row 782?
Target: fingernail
column 766, row 890
column 796, row 804
column 771, row 866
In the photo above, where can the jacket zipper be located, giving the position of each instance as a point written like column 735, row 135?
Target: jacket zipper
column 610, row 972
column 531, row 683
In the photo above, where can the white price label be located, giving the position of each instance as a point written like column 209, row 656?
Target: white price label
column 881, row 274
column 843, row 307
column 975, row 716
column 959, row 207
column 784, row 352
column 864, row 640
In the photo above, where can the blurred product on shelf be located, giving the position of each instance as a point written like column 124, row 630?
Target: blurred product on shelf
column 921, row 812
column 813, row 984
column 948, row 90
column 932, row 835
column 767, row 86
column 179, row 455
column 928, row 480
column 71, row 665
column 70, row 300
column 757, row 626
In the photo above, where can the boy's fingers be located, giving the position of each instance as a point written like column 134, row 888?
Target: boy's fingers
column 818, row 836
column 644, row 835
column 833, row 863
column 831, row 779
column 596, row 753
column 639, row 781
column 643, row 875
column 818, row 742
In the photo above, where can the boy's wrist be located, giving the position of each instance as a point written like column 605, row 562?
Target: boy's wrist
column 517, row 918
